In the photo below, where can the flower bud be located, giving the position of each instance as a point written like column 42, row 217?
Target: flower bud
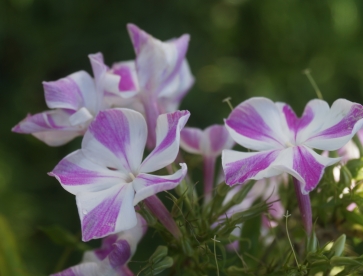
column 338, row 246
column 344, row 261
column 162, row 265
column 311, row 242
column 159, row 254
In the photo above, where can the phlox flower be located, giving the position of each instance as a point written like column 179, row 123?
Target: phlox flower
column 158, row 78
column 209, row 143
column 283, row 142
column 74, row 101
column 108, row 176
column 112, row 258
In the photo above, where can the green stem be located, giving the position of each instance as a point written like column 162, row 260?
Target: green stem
column 62, row 260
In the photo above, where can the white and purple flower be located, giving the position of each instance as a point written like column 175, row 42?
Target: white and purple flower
column 284, row 142
column 159, row 77
column 209, row 143
column 108, row 176
column 112, row 258
column 75, row 100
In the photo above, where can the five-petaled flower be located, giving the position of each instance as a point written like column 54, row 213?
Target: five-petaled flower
column 284, row 141
column 75, row 100
column 159, row 77
column 108, row 176
column 112, row 258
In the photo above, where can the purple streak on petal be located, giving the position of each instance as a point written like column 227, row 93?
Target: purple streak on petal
column 154, row 179
column 152, row 111
column 218, row 137
column 138, row 37
column 126, row 82
column 345, row 125
column 65, row 91
column 120, row 253
column 304, row 206
column 37, row 123
column 67, row 272
column 102, row 219
column 309, row 169
column 246, row 121
column 111, row 128
column 125, row 271
column 294, row 123
column 69, row 173
column 191, row 137
column 240, row 171
column 156, row 207
column 208, row 173
column 173, row 121
column 106, row 247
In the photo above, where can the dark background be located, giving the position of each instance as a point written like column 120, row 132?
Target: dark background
column 238, row 48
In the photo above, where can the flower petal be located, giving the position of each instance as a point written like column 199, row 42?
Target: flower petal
column 305, row 165
column 138, row 37
column 339, row 125
column 215, row 139
column 99, row 69
column 190, row 138
column 72, row 92
column 256, row 124
column 167, row 141
column 116, row 138
column 315, row 111
column 52, row 127
column 128, row 85
column 172, row 94
column 120, row 254
column 82, row 116
column 85, row 269
column 147, row 185
column 242, row 166
column 106, row 212
column 77, row 174
column 157, row 62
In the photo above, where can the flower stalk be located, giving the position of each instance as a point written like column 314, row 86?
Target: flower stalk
column 154, row 204
column 304, row 207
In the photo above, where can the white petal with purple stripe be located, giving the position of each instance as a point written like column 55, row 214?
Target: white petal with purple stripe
column 116, row 139
column 167, row 141
column 106, row 212
column 147, row 185
column 256, row 124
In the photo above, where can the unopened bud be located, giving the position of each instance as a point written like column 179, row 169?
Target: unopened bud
column 162, row 265
column 338, row 246
column 343, row 261
column 159, row 254
column 311, row 243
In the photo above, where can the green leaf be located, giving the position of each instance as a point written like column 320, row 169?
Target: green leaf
column 355, row 166
column 63, row 237
column 10, row 263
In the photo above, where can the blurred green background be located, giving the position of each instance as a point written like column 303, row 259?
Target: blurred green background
column 238, row 49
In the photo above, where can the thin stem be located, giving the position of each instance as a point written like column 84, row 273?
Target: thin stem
column 62, row 260
column 208, row 171
column 313, row 83
column 215, row 254
column 288, row 237
column 304, row 206
column 159, row 210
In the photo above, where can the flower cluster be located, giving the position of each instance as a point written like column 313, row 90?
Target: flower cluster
column 133, row 105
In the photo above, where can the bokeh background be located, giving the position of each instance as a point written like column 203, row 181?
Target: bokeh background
column 238, row 49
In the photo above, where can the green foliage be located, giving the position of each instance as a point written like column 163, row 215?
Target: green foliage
column 10, row 263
